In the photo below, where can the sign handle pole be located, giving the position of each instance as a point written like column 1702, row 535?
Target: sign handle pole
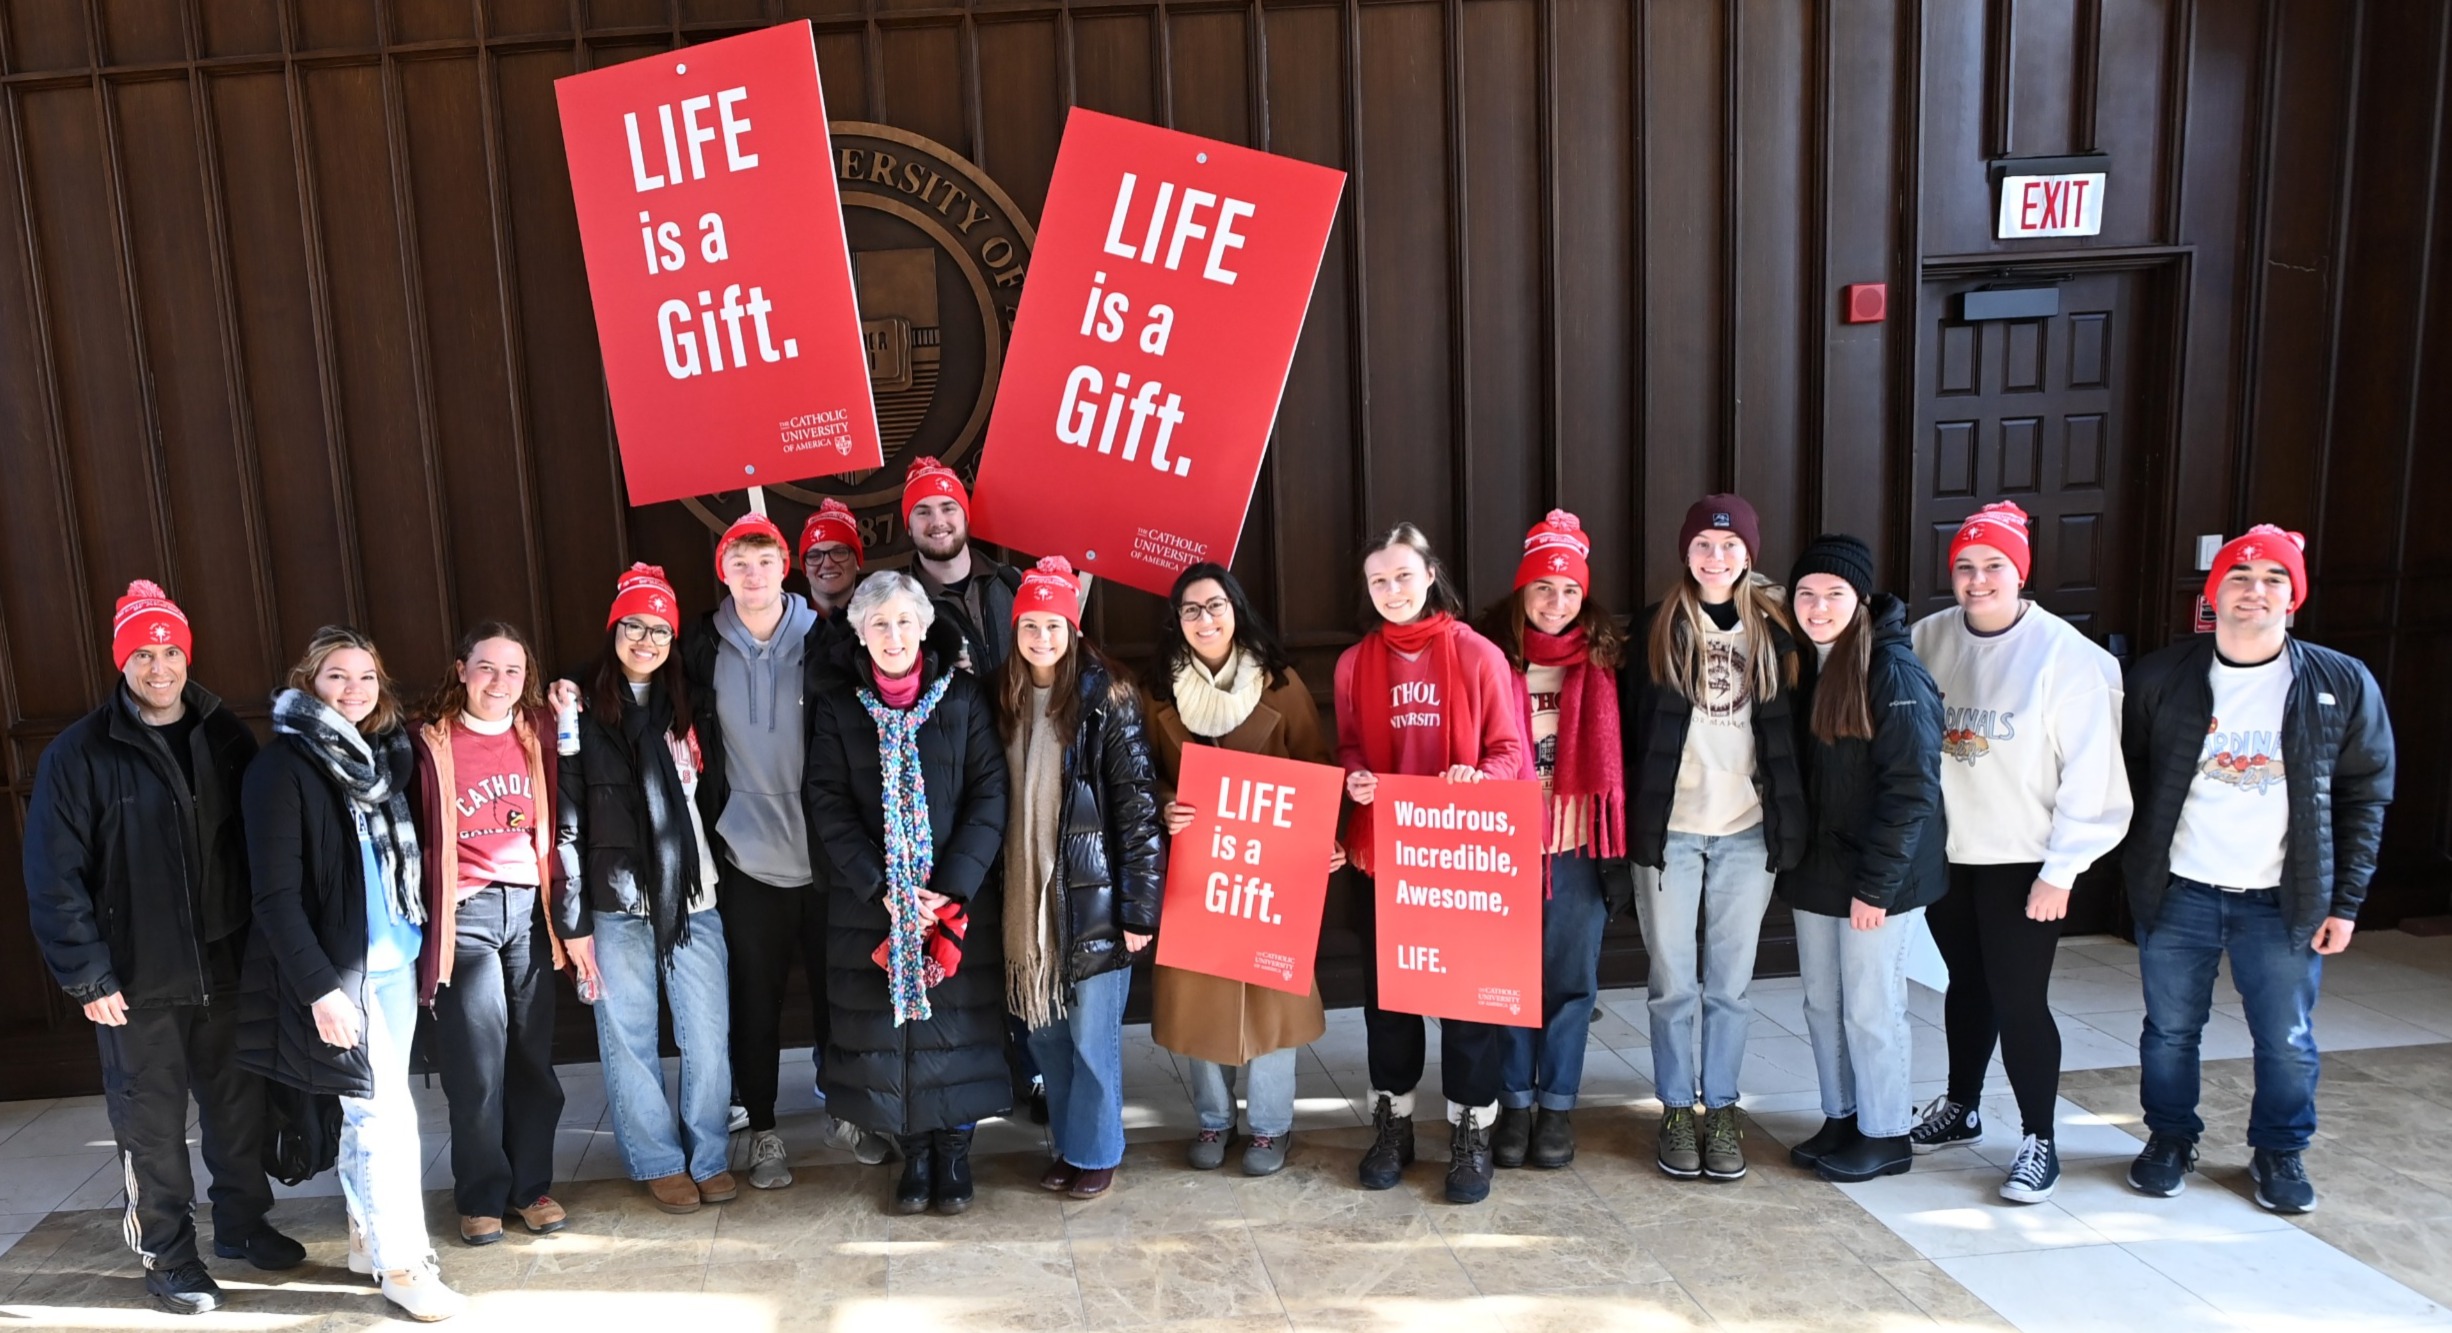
column 757, row 501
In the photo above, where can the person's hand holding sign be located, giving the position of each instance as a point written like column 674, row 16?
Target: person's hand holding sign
column 1178, row 817
column 1464, row 773
column 1361, row 786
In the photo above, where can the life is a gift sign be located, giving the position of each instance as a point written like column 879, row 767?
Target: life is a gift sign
column 1458, row 891
column 1156, row 327
column 1247, row 879
column 718, row 268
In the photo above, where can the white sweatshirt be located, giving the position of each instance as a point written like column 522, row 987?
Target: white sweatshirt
column 2030, row 743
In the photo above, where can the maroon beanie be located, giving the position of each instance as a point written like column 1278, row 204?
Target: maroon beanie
column 1724, row 513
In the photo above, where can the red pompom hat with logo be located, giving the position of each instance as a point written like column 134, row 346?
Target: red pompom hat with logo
column 2001, row 526
column 1050, row 586
column 1556, row 548
column 644, row 591
column 927, row 479
column 147, row 618
column 2262, row 542
column 833, row 522
column 751, row 524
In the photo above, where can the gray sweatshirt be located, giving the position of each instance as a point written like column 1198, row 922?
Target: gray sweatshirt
column 757, row 698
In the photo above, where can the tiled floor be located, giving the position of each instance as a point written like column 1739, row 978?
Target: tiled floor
column 1607, row 1244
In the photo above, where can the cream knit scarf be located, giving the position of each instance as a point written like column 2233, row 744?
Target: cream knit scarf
column 1213, row 704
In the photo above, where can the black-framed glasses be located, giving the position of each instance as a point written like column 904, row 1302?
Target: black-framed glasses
column 635, row 630
column 840, row 555
column 1216, row 608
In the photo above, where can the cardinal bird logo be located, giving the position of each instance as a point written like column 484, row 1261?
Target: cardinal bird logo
column 1964, row 745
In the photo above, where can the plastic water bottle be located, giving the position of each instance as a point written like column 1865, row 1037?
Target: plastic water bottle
column 566, row 728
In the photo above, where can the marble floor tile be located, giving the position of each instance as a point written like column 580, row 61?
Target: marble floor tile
column 1365, row 1260
column 1950, row 1214
column 2084, row 1289
column 1164, row 1278
column 41, row 1184
column 1938, row 1295
column 1156, row 1194
column 61, row 1131
column 2288, row 1277
column 982, row 1284
column 1807, row 1295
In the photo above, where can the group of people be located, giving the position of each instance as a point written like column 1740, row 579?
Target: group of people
column 935, row 792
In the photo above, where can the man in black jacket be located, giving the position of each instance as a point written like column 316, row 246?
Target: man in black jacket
column 964, row 584
column 2261, row 765
column 136, row 880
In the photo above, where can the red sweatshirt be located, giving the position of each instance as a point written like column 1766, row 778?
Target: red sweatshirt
column 1415, row 707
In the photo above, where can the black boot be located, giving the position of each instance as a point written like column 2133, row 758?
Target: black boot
column 1866, row 1158
column 1468, row 1160
column 1836, row 1133
column 952, row 1148
column 1553, row 1140
column 1511, row 1137
column 912, row 1192
column 1391, row 1150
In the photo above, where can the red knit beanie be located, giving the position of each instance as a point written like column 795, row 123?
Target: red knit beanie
column 751, row 524
column 644, row 591
column 832, row 522
column 2001, row 526
column 929, row 478
column 1726, row 512
column 147, row 618
column 1051, row 586
column 2262, row 542
column 1556, row 548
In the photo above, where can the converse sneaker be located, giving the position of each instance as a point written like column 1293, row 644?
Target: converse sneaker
column 2033, row 1172
column 1469, row 1160
column 1681, row 1154
column 1391, row 1150
column 420, row 1293
column 770, row 1166
column 1723, row 1144
column 1209, row 1150
column 2162, row 1169
column 2281, row 1182
column 1946, row 1124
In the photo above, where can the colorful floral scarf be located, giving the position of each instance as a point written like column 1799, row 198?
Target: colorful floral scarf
column 910, row 846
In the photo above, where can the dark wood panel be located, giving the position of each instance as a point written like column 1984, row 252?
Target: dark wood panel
column 1685, row 337
column 1505, row 300
column 1409, row 293
column 1596, row 235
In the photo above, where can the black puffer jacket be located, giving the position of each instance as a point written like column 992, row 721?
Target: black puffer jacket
column 310, row 915
column 128, row 874
column 1879, row 835
column 1654, row 727
column 1112, row 870
column 621, row 829
column 2336, row 752
column 982, row 611
column 949, row 1070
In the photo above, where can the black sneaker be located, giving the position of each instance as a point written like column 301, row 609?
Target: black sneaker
column 2281, row 1182
column 2162, row 1169
column 1511, row 1137
column 183, row 1288
column 1391, row 1150
column 1836, row 1133
column 2033, row 1172
column 1946, row 1124
column 265, row 1248
column 1553, row 1140
column 1469, row 1160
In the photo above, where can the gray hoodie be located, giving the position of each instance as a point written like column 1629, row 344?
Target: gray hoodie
column 758, row 700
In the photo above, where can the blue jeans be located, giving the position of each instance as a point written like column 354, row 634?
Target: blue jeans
column 652, row 1145
column 1081, row 1055
column 382, row 1162
column 2277, row 982
column 1546, row 1064
column 1856, row 1014
column 1268, row 1090
column 1717, row 887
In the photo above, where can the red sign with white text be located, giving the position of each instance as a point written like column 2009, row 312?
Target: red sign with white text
column 1245, row 882
column 1459, row 897
column 1155, row 331
column 717, row 262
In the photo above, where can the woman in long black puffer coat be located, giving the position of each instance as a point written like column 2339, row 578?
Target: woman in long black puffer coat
column 914, row 965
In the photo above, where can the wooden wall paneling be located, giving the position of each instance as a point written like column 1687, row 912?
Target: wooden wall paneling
column 47, row 35
column 2041, row 95
column 1410, row 269
column 1858, row 219
column 617, row 14
column 1021, row 97
column 1680, row 98
column 141, row 31
column 239, row 27
column 529, row 18
column 923, row 88
column 430, row 20
column 1506, row 303
column 842, row 74
column 1114, row 60
column 1953, row 94
column 2135, row 101
column 1777, row 95
column 1594, row 241
column 335, row 24
column 733, row 12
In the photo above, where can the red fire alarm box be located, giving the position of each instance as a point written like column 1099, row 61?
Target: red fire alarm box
column 1868, row 302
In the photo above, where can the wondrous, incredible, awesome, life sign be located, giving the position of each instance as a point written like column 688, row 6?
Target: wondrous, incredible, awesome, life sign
column 718, row 268
column 1458, row 868
column 1156, row 326
column 1245, row 882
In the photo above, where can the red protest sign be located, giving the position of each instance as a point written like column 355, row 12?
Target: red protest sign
column 1246, row 881
column 1156, row 327
column 718, row 268
column 1459, row 898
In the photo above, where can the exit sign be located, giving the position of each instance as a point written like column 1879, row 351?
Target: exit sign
column 2051, row 206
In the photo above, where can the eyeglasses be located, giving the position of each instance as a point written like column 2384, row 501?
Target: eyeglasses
column 1218, row 609
column 840, row 555
column 635, row 630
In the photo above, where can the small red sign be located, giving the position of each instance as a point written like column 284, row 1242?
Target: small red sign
column 1156, row 327
column 1459, row 895
column 1246, row 881
column 717, row 263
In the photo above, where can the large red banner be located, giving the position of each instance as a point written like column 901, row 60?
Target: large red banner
column 1245, row 882
column 1156, row 326
column 716, row 259
column 1459, row 898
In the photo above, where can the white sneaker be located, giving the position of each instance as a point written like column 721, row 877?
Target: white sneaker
column 739, row 1120
column 770, row 1167
column 420, row 1292
column 361, row 1262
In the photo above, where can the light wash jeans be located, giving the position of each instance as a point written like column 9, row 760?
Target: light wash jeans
column 382, row 1163
column 652, row 1145
column 1546, row 1064
column 1717, row 887
column 1856, row 1014
column 1268, row 1088
column 1081, row 1055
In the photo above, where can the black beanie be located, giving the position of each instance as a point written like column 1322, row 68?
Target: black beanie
column 1840, row 554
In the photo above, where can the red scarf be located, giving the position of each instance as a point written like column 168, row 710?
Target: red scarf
column 1590, row 765
column 1459, row 709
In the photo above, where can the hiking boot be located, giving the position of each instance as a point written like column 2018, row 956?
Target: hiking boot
column 1511, row 1137
column 719, row 1188
column 420, row 1293
column 918, row 1181
column 1723, row 1144
column 1470, row 1160
column 1553, row 1140
column 1836, row 1133
column 263, row 1247
column 543, row 1217
column 2281, row 1182
column 676, row 1193
column 1681, row 1154
column 2033, row 1173
column 480, row 1230
column 1265, row 1154
column 770, row 1165
column 183, row 1288
column 1209, row 1150
column 1391, row 1150
column 1867, row 1158
column 952, row 1191
column 1946, row 1124
column 2162, row 1169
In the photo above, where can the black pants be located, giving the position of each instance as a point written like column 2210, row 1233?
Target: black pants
column 149, row 1066
column 2000, row 985
column 765, row 928
column 1472, row 1056
column 494, row 1030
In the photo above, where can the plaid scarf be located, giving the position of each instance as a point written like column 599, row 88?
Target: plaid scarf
column 910, row 845
column 349, row 757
